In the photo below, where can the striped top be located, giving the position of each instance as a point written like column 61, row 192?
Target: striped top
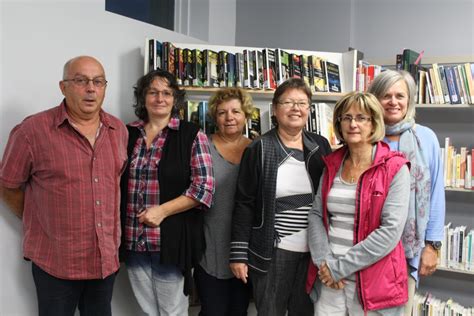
column 293, row 201
column 341, row 210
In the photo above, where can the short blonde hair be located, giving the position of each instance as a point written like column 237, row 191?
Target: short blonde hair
column 226, row 94
column 367, row 103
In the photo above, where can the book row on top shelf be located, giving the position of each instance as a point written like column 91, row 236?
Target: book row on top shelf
column 259, row 69
column 436, row 83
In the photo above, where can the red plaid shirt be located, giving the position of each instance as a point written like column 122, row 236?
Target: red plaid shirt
column 71, row 208
column 144, row 188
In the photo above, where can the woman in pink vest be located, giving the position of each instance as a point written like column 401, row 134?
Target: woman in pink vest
column 357, row 218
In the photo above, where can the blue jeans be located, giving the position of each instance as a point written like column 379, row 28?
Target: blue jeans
column 59, row 297
column 158, row 288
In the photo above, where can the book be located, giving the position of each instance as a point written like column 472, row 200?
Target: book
column 317, row 74
column 409, row 57
column 209, row 66
column 188, row 67
column 257, row 65
column 231, row 72
column 269, row 71
column 222, row 68
column 282, row 60
column 333, row 77
column 249, row 76
column 254, row 124
column 179, row 65
column 295, row 66
column 239, row 70
column 196, row 56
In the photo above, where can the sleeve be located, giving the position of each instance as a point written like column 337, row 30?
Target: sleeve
column 317, row 236
column 202, row 177
column 435, row 226
column 383, row 239
column 17, row 163
column 245, row 204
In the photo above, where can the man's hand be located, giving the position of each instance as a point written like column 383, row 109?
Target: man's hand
column 240, row 271
column 428, row 261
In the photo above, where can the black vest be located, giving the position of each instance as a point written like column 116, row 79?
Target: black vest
column 182, row 237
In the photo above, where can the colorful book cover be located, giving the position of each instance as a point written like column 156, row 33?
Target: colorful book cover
column 188, row 67
column 209, row 65
column 295, row 66
column 257, row 65
column 222, row 70
column 318, row 75
column 230, row 61
column 179, row 65
column 197, row 68
column 333, row 77
column 254, row 124
column 282, row 59
column 269, row 72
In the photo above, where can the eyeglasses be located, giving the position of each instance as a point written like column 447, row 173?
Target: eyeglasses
column 84, row 81
column 155, row 93
column 301, row 104
column 359, row 119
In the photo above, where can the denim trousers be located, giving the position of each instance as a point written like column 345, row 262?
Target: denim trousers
column 158, row 288
column 282, row 288
column 219, row 297
column 59, row 297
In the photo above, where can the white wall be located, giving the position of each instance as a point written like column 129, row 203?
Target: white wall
column 37, row 37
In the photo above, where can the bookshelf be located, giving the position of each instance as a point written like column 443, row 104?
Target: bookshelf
column 346, row 62
column 457, row 123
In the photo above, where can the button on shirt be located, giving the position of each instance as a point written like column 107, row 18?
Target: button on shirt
column 71, row 207
column 144, row 188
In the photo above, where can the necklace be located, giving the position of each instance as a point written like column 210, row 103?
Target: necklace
column 355, row 171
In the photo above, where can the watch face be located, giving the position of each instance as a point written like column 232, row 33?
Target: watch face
column 436, row 244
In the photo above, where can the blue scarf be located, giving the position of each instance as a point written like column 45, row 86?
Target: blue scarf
column 420, row 187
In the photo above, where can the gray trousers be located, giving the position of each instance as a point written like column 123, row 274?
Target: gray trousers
column 282, row 289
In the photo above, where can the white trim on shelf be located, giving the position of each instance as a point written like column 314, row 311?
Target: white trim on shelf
column 458, row 190
column 442, row 268
column 264, row 94
column 443, row 106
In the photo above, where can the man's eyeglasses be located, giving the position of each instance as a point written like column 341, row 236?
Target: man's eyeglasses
column 360, row 119
column 301, row 104
column 84, row 81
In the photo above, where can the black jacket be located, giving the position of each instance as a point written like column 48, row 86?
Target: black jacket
column 253, row 222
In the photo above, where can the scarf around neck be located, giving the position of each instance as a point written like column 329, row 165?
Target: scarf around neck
column 420, row 187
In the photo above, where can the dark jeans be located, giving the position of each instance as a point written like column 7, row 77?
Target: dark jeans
column 219, row 297
column 58, row 297
column 282, row 288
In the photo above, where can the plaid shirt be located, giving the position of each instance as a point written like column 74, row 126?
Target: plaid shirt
column 144, row 188
column 71, row 218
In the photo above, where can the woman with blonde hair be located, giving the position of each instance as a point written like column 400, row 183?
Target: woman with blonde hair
column 219, row 291
column 357, row 218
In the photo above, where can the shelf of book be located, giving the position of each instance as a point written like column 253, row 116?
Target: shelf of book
column 444, row 106
column 453, row 270
column 263, row 94
column 458, row 190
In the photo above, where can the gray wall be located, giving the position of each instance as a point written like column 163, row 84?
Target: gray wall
column 379, row 28
column 321, row 25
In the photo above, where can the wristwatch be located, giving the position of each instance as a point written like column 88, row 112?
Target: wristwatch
column 435, row 244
